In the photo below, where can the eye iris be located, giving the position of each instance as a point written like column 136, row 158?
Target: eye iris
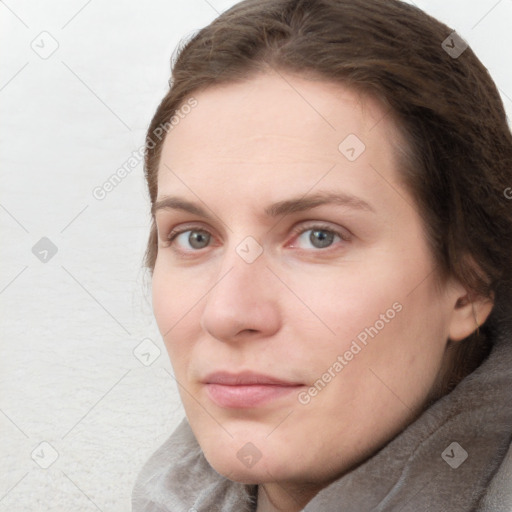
column 323, row 237
column 197, row 238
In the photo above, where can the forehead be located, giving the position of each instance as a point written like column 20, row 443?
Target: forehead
column 295, row 109
column 277, row 128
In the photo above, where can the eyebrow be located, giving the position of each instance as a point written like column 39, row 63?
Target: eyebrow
column 286, row 207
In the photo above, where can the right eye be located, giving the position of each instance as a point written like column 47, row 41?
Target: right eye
column 196, row 239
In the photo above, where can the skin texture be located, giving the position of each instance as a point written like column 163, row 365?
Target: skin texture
column 299, row 305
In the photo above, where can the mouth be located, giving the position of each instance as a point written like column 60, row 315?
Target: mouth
column 246, row 390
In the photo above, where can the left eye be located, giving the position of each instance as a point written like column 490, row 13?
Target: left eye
column 319, row 237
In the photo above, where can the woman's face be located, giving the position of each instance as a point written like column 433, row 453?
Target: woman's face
column 301, row 273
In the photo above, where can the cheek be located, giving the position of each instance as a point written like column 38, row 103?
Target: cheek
column 174, row 308
column 164, row 301
column 376, row 317
column 342, row 303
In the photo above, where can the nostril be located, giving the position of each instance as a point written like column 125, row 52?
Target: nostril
column 251, row 330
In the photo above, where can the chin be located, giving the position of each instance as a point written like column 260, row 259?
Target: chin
column 236, row 471
column 247, row 454
column 247, row 464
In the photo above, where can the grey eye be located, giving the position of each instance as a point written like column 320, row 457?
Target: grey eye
column 320, row 238
column 198, row 239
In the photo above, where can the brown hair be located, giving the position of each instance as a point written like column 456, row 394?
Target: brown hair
column 458, row 159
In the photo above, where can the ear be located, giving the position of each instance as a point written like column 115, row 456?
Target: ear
column 469, row 312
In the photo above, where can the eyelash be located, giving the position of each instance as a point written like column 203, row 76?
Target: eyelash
column 296, row 232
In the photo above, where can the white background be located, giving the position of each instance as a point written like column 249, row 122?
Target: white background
column 68, row 375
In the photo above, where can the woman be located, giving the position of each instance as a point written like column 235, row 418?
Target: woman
column 331, row 255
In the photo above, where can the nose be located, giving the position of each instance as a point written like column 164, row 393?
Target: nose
column 243, row 302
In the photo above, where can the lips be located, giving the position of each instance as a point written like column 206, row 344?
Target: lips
column 247, row 378
column 247, row 389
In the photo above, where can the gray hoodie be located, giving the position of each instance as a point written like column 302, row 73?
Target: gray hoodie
column 455, row 457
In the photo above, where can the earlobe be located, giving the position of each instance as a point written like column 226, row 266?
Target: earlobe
column 469, row 313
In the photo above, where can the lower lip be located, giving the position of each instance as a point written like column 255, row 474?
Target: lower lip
column 244, row 397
